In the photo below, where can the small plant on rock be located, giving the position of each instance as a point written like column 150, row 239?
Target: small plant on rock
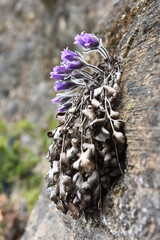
column 87, row 153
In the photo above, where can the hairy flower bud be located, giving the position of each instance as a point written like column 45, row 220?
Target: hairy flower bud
column 86, row 40
column 67, row 55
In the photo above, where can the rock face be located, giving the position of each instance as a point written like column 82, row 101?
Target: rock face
column 131, row 210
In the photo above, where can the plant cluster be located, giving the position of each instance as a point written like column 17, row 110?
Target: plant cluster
column 88, row 148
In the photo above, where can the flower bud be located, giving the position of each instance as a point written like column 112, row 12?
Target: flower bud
column 119, row 136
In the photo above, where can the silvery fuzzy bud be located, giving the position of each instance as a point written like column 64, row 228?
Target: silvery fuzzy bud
column 119, row 136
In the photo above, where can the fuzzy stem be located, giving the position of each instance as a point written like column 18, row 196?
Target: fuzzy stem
column 102, row 52
column 105, row 51
column 85, row 73
column 80, row 57
column 95, row 68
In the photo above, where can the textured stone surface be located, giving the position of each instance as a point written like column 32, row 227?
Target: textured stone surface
column 46, row 222
column 132, row 208
column 44, row 214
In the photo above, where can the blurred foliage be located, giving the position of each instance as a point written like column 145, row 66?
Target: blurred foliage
column 31, row 189
column 22, row 147
column 17, row 162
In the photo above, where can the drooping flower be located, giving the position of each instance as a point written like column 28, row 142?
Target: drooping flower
column 60, row 69
column 61, row 99
column 57, row 76
column 87, row 40
column 59, row 72
column 74, row 65
column 62, row 86
column 65, row 107
column 68, row 55
column 70, row 75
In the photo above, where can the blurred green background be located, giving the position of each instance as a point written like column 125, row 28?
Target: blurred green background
column 19, row 174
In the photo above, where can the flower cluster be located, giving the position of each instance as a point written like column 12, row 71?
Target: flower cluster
column 88, row 149
column 71, row 75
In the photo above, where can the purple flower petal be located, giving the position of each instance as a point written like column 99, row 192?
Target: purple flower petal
column 60, row 69
column 74, row 65
column 65, row 107
column 61, row 100
column 86, row 40
column 68, row 55
column 89, row 39
column 62, row 86
column 59, row 72
column 56, row 100
column 79, row 39
column 57, row 76
column 87, row 45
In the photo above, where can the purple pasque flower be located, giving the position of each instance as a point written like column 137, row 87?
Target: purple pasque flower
column 74, row 65
column 68, row 55
column 61, row 99
column 79, row 39
column 65, row 107
column 57, row 76
column 60, row 69
column 59, row 72
column 86, row 40
column 62, row 86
